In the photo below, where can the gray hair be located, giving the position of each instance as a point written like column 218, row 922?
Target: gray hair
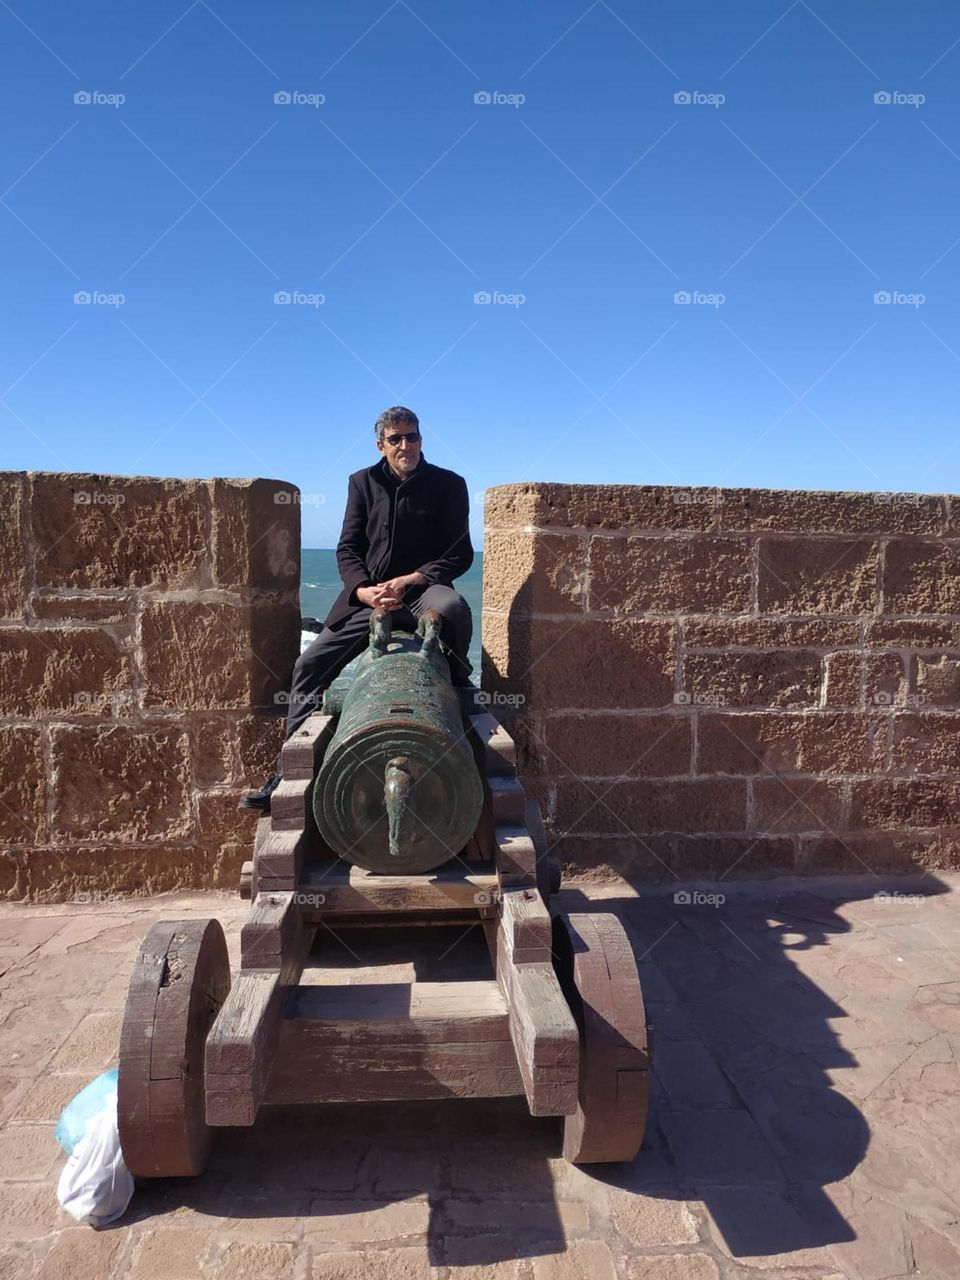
column 398, row 416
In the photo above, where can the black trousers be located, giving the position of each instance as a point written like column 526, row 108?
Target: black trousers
column 320, row 664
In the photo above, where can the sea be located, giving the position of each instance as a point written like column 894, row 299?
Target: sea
column 320, row 585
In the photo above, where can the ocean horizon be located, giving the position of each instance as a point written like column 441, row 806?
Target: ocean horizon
column 320, row 585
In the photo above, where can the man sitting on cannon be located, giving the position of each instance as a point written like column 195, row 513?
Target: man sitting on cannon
column 405, row 538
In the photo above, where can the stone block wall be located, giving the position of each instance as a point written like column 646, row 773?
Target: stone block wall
column 146, row 629
column 708, row 682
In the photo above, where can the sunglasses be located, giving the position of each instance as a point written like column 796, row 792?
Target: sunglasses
column 411, row 437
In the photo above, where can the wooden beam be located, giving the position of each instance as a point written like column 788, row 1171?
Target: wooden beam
column 499, row 748
column 302, row 754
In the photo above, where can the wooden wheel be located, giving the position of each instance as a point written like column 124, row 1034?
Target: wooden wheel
column 598, row 975
column 180, row 980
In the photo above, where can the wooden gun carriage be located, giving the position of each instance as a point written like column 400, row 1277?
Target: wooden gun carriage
column 554, row 1013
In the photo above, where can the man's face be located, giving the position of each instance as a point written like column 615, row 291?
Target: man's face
column 403, row 455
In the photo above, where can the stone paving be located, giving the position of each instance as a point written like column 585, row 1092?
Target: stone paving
column 805, row 1122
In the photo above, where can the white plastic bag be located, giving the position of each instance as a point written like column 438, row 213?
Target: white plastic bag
column 95, row 1186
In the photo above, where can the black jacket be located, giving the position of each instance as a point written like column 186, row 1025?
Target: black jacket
column 392, row 527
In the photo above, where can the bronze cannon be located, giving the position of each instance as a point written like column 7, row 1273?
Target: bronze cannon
column 398, row 790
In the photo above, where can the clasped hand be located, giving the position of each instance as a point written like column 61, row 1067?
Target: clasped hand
column 387, row 595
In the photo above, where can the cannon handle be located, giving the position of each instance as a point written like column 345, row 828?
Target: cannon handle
column 380, row 630
column 429, row 631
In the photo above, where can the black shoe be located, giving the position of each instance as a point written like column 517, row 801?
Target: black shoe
column 261, row 799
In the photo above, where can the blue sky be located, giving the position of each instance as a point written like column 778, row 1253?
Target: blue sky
column 582, row 197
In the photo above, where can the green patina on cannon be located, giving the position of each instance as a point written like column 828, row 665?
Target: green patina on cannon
column 398, row 791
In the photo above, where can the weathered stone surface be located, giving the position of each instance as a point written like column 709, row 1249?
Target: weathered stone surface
column 13, row 875
column 914, row 633
column 938, row 681
column 673, row 1266
column 221, row 821
column 820, row 511
column 800, row 804
column 23, row 792
column 593, row 506
column 87, row 608
column 912, row 802
column 884, row 680
column 80, row 671
column 600, row 859
column 613, row 745
column 775, row 678
column 805, row 742
column 651, row 805
column 648, row 1222
column 818, row 575
column 259, row 740
column 537, row 573
column 170, row 1255
column 769, row 633
column 733, row 857
column 13, row 563
column 117, row 782
column 591, row 663
column 257, row 534
column 104, row 871
column 664, row 574
column 925, row 742
column 114, row 531
column 81, row 1254
column 213, row 749
column 214, row 654
column 843, row 679
column 921, row 577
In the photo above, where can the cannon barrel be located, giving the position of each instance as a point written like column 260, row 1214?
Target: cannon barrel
column 398, row 790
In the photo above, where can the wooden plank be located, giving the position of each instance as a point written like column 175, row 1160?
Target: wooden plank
column 526, row 927
column 500, row 750
column 544, row 1034
column 509, row 798
column 290, row 805
column 302, row 754
column 516, row 856
column 272, row 937
column 338, row 888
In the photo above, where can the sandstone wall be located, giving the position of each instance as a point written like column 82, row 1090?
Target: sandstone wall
column 730, row 682
column 146, row 629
